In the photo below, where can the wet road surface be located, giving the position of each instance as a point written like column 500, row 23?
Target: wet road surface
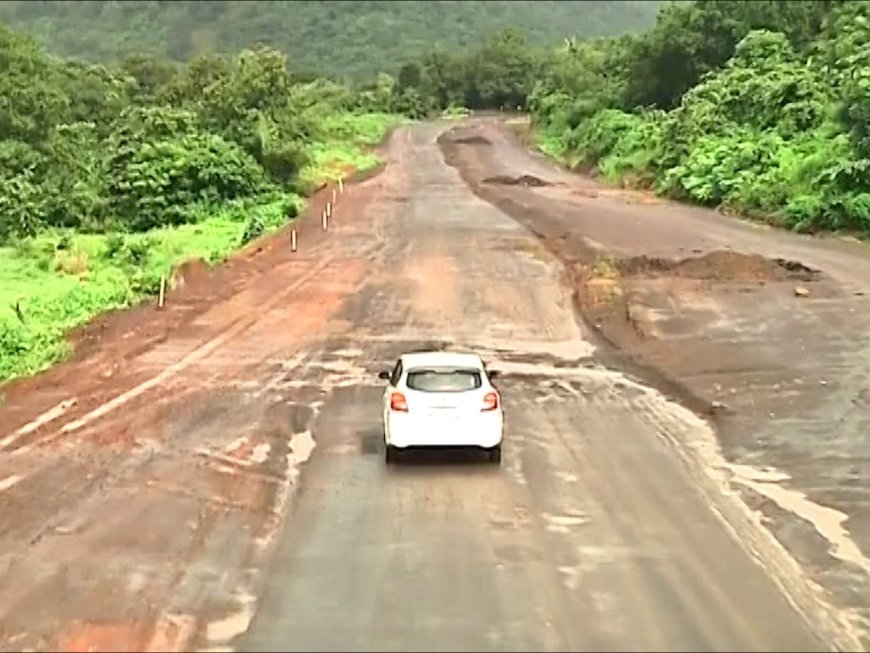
column 250, row 507
column 592, row 536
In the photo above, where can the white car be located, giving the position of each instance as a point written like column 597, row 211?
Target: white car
column 441, row 399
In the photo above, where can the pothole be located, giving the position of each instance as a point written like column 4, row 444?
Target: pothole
column 472, row 140
column 522, row 180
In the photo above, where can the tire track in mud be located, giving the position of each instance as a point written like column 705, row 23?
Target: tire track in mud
column 232, row 331
column 256, row 465
column 607, row 392
column 209, row 477
column 572, row 388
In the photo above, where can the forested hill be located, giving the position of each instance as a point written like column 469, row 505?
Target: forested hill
column 336, row 37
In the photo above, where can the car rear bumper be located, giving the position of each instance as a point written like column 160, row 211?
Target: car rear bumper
column 404, row 433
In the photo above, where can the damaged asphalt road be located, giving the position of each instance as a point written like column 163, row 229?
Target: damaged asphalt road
column 241, row 501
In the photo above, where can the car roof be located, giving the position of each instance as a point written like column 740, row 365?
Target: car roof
column 441, row 358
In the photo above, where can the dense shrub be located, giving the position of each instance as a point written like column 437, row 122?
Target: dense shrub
column 110, row 177
column 778, row 128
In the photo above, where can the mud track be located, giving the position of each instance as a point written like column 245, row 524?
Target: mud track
column 765, row 333
column 102, row 348
column 211, row 476
column 143, row 479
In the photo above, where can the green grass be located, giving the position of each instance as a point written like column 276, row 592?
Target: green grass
column 551, row 144
column 455, row 112
column 345, row 145
column 60, row 280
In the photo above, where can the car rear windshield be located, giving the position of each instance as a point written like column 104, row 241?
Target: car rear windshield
column 443, row 380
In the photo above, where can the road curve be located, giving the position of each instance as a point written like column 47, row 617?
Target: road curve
column 227, row 489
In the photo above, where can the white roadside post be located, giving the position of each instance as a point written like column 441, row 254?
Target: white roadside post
column 160, row 301
column 328, row 210
column 340, row 186
column 323, row 220
column 293, row 240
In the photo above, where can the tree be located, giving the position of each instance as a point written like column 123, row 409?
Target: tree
column 149, row 73
column 353, row 38
column 691, row 40
column 161, row 161
column 33, row 101
column 409, row 76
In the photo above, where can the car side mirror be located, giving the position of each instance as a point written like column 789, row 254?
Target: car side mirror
column 493, row 374
column 384, row 376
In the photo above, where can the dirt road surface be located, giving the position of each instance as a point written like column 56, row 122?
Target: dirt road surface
column 212, row 476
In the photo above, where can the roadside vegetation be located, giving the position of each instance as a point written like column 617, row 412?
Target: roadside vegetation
column 760, row 107
column 113, row 173
column 111, row 176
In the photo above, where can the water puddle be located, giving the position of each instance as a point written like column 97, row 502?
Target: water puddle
column 828, row 522
column 565, row 522
column 9, row 481
column 260, row 453
column 225, row 630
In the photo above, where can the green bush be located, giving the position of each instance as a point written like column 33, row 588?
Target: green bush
column 254, row 228
column 158, row 183
column 110, row 177
column 777, row 131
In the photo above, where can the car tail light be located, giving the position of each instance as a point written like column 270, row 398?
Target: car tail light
column 490, row 402
column 398, row 402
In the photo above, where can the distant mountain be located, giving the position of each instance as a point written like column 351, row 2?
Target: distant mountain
column 346, row 37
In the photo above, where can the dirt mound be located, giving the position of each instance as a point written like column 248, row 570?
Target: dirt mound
column 522, row 180
column 472, row 140
column 191, row 270
column 720, row 266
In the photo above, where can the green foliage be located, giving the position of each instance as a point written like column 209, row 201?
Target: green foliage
column 496, row 75
column 690, row 40
column 20, row 202
column 109, row 177
column 621, row 144
column 78, row 276
column 344, row 144
column 146, row 144
column 760, row 106
column 253, row 229
column 845, row 53
column 357, row 38
column 501, row 72
column 162, row 163
column 455, row 111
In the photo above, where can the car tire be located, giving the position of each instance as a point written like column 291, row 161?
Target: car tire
column 494, row 454
column 391, row 455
